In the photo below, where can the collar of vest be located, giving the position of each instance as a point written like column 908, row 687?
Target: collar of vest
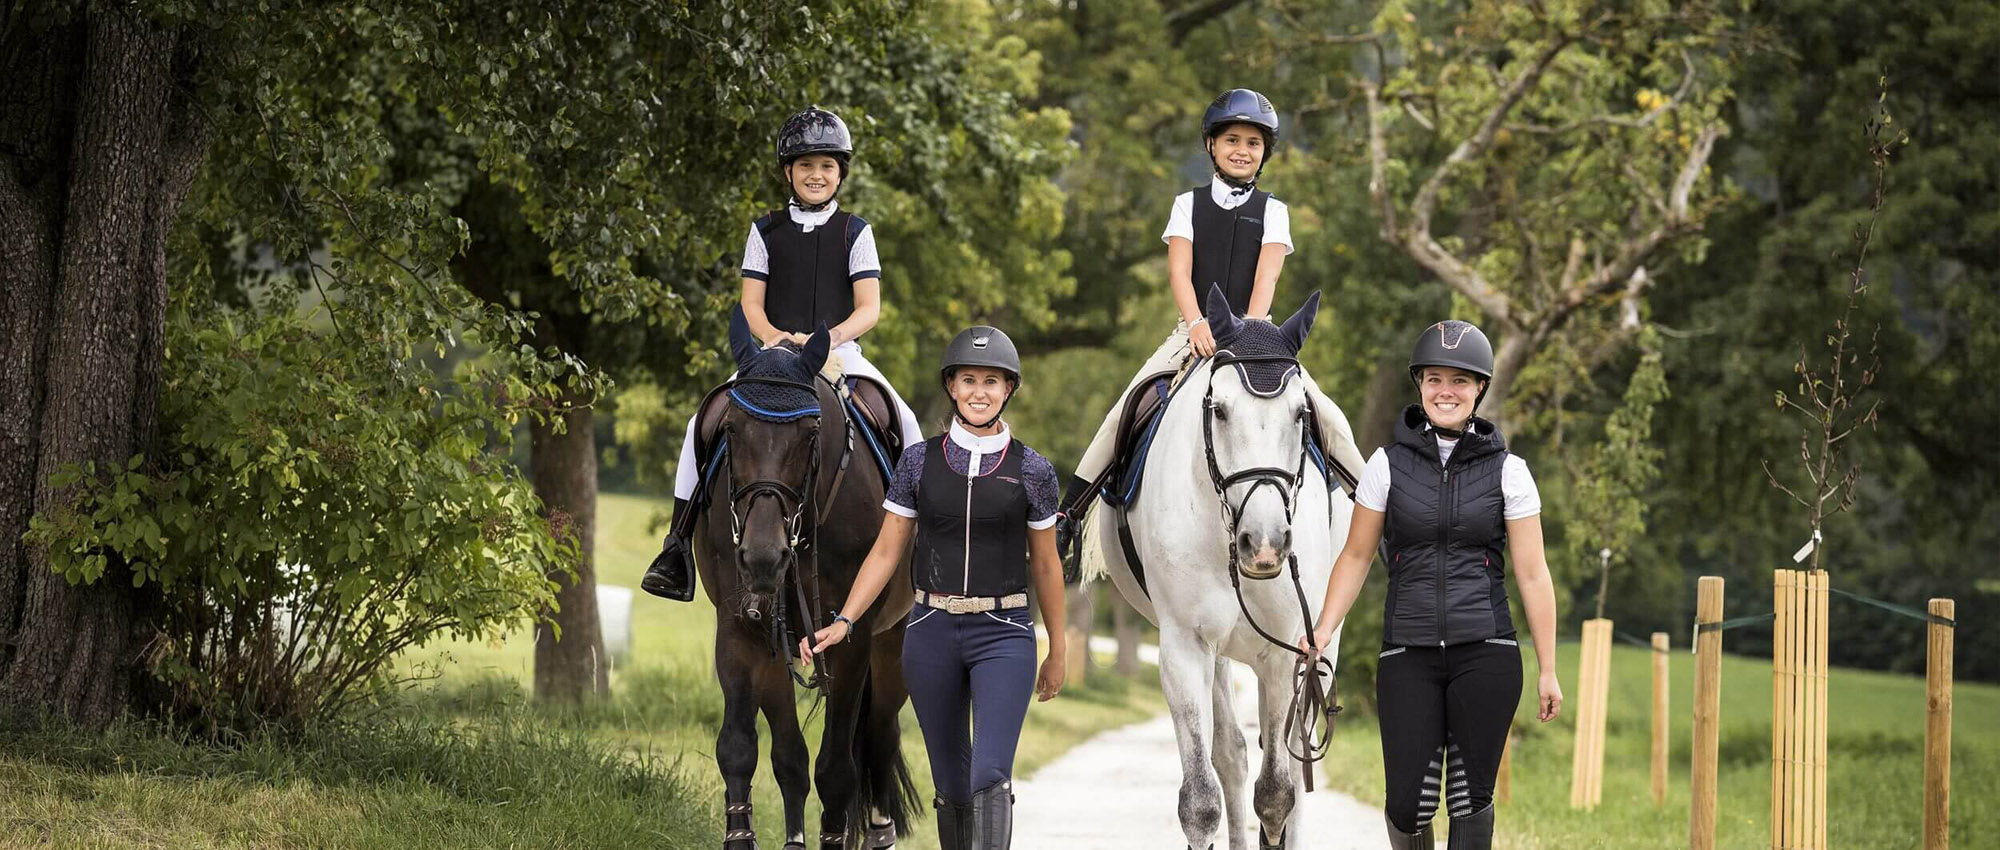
column 991, row 444
column 803, row 216
column 1481, row 436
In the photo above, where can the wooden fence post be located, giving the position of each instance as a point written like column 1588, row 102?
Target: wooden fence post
column 1798, row 710
column 1784, row 698
column 1660, row 648
column 1937, row 729
column 1707, row 707
column 1593, row 676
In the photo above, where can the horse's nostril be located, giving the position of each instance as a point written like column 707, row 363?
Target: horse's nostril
column 1288, row 538
column 1243, row 541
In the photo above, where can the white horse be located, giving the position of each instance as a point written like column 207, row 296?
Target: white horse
column 1182, row 529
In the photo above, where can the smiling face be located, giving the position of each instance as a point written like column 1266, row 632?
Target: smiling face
column 1449, row 395
column 814, row 178
column 1238, row 150
column 978, row 392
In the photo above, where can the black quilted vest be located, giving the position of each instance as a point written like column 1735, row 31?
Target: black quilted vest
column 972, row 533
column 808, row 286
column 1226, row 245
column 1447, row 537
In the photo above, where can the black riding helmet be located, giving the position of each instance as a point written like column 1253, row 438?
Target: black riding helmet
column 982, row 345
column 1456, row 344
column 814, row 130
column 1240, row 106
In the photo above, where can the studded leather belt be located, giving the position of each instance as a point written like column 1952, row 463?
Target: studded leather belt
column 971, row 604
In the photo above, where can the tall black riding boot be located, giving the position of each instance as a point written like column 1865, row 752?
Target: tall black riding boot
column 672, row 574
column 1473, row 831
column 1419, row 840
column 993, row 817
column 954, row 825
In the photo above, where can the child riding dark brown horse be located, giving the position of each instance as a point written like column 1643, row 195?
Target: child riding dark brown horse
column 791, row 513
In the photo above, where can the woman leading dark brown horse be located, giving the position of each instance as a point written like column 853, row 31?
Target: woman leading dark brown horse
column 791, row 514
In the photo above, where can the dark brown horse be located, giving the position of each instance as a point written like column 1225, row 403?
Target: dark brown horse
column 791, row 511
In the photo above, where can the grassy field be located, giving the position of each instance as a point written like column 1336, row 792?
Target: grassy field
column 1874, row 753
column 467, row 761
column 667, row 703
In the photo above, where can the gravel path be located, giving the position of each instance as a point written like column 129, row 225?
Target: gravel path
column 1119, row 790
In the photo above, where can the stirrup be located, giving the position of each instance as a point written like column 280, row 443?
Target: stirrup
column 671, row 575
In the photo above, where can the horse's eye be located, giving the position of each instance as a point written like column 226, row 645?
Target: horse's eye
column 1218, row 410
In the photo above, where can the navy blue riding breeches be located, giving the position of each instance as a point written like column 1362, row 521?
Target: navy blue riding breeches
column 970, row 678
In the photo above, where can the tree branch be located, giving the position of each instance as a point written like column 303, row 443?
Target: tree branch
column 1633, row 253
column 1185, row 21
column 1680, row 96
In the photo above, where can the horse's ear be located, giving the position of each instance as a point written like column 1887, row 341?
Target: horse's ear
column 816, row 349
column 1222, row 321
column 742, row 343
column 1301, row 322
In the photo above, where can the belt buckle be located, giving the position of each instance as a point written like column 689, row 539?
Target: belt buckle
column 961, row 605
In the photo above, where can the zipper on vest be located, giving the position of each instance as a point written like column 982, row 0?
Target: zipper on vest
column 1444, row 535
column 971, row 474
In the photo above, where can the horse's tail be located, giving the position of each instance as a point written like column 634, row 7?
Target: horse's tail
column 890, row 798
column 1092, row 565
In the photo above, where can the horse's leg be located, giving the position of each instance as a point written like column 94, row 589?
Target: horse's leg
column 836, row 772
column 736, row 666
column 1187, row 672
column 791, row 762
column 888, row 775
column 1279, row 782
column 1232, row 758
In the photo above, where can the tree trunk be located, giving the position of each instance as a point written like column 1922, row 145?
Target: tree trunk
column 564, row 468
column 99, row 149
column 1516, row 349
column 1125, row 622
column 1389, row 391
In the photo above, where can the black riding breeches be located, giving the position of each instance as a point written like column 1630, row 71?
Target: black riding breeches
column 1445, row 716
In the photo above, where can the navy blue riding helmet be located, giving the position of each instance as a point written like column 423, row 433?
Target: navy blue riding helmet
column 1241, row 106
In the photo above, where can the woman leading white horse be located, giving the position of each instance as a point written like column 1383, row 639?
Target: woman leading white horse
column 1229, row 476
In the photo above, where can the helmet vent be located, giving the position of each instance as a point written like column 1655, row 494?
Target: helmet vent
column 1264, row 103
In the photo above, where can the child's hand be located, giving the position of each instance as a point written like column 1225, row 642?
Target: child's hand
column 1203, row 339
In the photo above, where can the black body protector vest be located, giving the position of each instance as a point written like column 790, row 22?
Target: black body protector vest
column 808, row 286
column 972, row 533
column 1226, row 245
column 1447, row 533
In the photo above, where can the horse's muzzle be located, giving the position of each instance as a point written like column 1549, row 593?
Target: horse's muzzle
column 1266, row 558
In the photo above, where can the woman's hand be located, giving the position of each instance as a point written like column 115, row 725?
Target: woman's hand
column 1322, row 634
column 809, row 647
column 1202, row 339
column 1054, row 671
column 1552, row 696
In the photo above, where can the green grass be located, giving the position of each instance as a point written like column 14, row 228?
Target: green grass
column 468, row 760
column 1874, row 753
column 666, row 701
